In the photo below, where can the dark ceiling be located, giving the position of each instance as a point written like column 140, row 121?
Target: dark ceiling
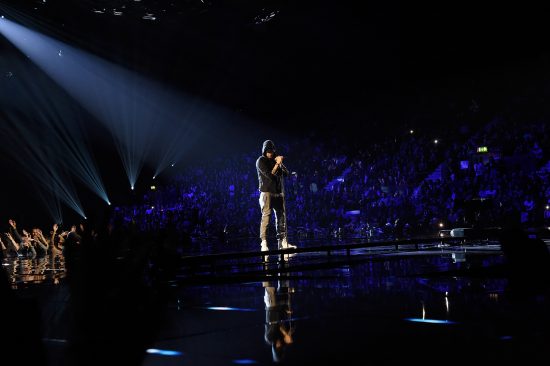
column 268, row 59
column 306, row 61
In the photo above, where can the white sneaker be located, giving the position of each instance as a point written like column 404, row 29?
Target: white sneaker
column 283, row 244
column 263, row 246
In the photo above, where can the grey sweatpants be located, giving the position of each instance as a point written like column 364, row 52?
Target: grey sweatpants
column 275, row 202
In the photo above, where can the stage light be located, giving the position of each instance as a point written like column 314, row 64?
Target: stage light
column 132, row 188
column 149, row 16
column 109, row 203
column 116, row 97
column 430, row 321
column 36, row 159
column 50, row 200
column 245, row 362
column 548, row 207
column 163, row 352
column 441, row 224
column 155, row 177
column 225, row 308
column 411, row 132
column 139, row 112
column 436, row 141
column 61, row 120
column 153, row 188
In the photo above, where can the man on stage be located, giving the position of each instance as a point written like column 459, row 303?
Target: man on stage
column 271, row 173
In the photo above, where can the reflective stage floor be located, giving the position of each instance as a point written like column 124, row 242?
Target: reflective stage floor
column 436, row 304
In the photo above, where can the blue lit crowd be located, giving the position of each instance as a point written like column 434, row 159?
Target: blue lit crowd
column 416, row 183
column 468, row 175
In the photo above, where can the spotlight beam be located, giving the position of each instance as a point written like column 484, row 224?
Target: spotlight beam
column 138, row 112
column 101, row 87
column 34, row 156
column 58, row 120
column 51, row 201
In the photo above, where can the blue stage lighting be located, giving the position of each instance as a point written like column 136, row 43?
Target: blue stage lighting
column 163, row 352
column 430, row 321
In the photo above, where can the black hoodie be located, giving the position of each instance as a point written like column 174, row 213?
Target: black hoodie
column 272, row 183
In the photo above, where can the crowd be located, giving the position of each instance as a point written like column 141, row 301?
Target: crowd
column 412, row 184
column 35, row 244
column 466, row 173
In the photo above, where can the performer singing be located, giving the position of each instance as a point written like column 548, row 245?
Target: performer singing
column 271, row 173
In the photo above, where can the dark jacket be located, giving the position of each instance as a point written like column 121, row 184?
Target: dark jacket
column 272, row 183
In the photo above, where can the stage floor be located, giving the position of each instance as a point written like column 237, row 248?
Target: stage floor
column 436, row 304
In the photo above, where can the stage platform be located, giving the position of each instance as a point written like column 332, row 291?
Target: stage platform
column 430, row 300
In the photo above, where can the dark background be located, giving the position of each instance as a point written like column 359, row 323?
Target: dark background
column 351, row 70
